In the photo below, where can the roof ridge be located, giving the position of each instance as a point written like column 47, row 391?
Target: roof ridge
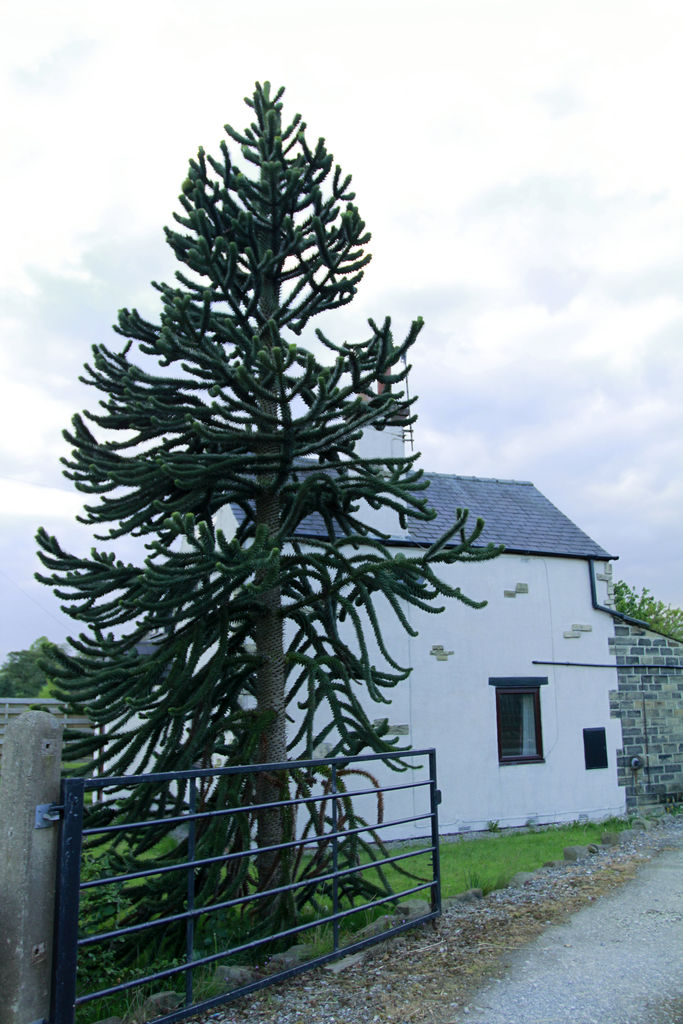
column 480, row 479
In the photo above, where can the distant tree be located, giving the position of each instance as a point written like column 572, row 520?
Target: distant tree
column 662, row 617
column 218, row 406
column 28, row 673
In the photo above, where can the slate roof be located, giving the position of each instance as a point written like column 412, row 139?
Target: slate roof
column 515, row 512
column 516, row 515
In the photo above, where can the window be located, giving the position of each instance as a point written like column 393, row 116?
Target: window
column 595, row 748
column 518, row 715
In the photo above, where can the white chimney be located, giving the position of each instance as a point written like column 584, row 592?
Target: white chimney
column 382, row 444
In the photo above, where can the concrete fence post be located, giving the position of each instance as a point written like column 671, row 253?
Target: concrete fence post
column 29, row 776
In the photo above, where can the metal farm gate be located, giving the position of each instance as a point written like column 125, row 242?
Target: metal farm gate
column 404, row 805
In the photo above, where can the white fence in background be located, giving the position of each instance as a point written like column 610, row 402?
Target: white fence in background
column 11, row 707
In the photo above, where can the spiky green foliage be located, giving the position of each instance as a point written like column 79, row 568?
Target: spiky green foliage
column 218, row 406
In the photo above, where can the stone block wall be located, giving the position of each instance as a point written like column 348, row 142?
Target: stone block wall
column 649, row 702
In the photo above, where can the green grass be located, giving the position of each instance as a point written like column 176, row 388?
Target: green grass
column 489, row 861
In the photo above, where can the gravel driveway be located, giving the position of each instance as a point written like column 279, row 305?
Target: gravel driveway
column 618, row 961
column 600, row 940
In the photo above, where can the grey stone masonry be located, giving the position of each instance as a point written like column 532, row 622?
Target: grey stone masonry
column 649, row 702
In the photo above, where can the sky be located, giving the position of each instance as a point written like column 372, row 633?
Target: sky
column 517, row 163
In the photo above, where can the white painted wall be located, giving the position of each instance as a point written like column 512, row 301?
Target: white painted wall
column 449, row 704
column 453, row 705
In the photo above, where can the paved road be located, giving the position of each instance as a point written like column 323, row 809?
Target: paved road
column 619, row 961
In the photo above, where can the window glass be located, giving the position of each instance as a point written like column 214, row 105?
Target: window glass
column 519, row 725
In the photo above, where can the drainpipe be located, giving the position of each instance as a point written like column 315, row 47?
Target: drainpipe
column 603, row 608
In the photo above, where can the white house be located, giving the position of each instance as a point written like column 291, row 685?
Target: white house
column 545, row 706
column 515, row 696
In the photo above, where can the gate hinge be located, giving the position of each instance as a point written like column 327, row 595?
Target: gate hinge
column 437, row 797
column 47, row 815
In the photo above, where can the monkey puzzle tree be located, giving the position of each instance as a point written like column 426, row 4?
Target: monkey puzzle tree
column 220, row 406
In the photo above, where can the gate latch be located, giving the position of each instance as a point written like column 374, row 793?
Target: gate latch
column 47, row 815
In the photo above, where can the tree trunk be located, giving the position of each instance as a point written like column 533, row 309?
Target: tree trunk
column 273, row 868
column 270, row 704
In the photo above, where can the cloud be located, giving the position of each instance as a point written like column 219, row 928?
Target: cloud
column 561, row 101
column 516, row 165
column 54, row 71
column 18, row 498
